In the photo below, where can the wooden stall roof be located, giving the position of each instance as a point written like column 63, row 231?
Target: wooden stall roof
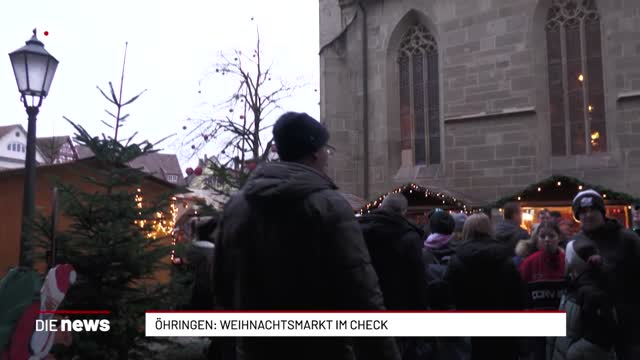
column 559, row 190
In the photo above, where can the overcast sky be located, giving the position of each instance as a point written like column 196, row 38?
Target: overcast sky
column 172, row 45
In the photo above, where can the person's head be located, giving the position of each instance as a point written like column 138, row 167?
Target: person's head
column 442, row 222
column 513, row 213
column 635, row 213
column 477, row 226
column 555, row 216
column 588, row 209
column 396, row 203
column 459, row 219
column 302, row 139
column 547, row 236
column 565, row 226
column 544, row 215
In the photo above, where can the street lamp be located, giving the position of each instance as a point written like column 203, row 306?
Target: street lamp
column 34, row 68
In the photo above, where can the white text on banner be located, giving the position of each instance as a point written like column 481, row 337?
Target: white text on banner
column 366, row 324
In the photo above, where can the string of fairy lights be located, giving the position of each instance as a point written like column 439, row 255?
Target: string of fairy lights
column 436, row 196
column 563, row 183
column 569, row 185
column 162, row 225
column 559, row 183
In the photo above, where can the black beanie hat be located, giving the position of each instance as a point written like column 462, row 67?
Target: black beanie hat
column 442, row 222
column 587, row 198
column 297, row 135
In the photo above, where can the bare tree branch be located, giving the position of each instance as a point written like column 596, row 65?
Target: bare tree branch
column 236, row 129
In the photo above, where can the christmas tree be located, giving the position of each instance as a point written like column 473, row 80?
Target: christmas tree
column 116, row 242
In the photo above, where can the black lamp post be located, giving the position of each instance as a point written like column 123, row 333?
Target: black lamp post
column 34, row 68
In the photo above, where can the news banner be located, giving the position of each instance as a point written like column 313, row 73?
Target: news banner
column 354, row 324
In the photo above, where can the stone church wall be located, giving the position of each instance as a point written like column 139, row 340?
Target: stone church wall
column 493, row 95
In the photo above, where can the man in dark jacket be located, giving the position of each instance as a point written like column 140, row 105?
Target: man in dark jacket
column 620, row 252
column 289, row 241
column 395, row 246
column 509, row 232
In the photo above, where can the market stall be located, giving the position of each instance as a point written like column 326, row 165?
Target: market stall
column 422, row 200
column 556, row 193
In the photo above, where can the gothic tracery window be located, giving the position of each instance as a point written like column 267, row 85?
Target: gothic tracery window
column 419, row 97
column 574, row 65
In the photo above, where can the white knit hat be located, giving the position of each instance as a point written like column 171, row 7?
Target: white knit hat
column 587, row 198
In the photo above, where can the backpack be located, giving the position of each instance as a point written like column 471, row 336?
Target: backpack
column 440, row 298
column 438, row 288
column 19, row 288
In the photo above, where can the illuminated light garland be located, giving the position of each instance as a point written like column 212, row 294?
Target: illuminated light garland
column 563, row 184
column 161, row 225
column 410, row 188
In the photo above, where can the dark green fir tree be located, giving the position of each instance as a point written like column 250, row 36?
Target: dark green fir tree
column 109, row 244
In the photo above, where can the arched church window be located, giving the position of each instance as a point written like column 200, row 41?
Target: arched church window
column 419, row 95
column 574, row 65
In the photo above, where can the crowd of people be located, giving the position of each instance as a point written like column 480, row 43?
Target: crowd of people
column 289, row 241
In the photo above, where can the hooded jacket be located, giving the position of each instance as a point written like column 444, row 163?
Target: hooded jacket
column 289, row 241
column 439, row 254
column 394, row 244
column 620, row 250
column 482, row 277
column 508, row 234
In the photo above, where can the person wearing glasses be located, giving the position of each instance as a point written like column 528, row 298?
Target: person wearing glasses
column 288, row 240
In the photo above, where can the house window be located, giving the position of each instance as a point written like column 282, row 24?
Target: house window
column 17, row 147
column 419, row 97
column 172, row 178
column 574, row 65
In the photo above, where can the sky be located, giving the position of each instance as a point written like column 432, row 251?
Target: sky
column 172, row 46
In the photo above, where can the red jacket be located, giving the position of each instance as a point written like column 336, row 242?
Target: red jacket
column 545, row 278
column 542, row 266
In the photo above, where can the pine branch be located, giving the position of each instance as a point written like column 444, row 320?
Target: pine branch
column 119, row 100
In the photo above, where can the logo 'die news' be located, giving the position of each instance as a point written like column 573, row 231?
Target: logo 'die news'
column 84, row 325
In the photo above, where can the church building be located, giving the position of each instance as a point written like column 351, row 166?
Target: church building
column 481, row 97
